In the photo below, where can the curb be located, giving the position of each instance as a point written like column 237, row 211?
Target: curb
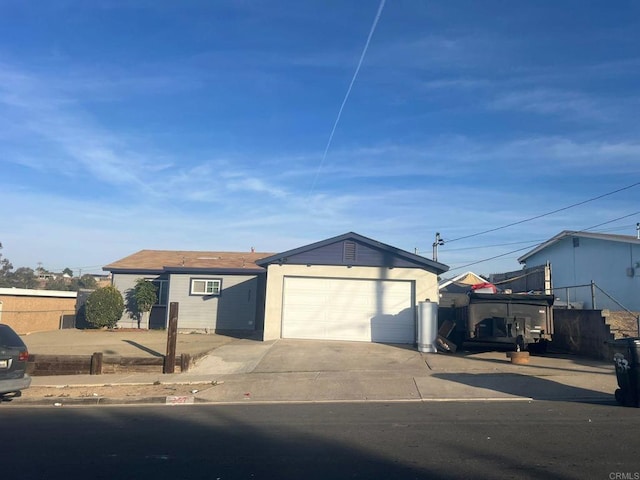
column 192, row 400
column 126, row 384
column 91, row 401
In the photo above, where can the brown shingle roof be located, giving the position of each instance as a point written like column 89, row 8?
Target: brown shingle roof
column 159, row 259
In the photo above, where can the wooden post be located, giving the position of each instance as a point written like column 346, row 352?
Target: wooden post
column 172, row 338
column 185, row 361
column 96, row 363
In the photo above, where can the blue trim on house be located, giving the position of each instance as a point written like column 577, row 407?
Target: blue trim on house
column 196, row 270
column 368, row 253
column 136, row 271
column 216, row 271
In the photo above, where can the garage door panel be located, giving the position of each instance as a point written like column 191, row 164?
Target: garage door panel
column 327, row 331
column 348, row 309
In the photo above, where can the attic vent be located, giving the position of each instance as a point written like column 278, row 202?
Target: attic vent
column 349, row 254
column 576, row 242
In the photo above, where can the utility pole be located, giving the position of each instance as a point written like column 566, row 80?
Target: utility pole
column 439, row 241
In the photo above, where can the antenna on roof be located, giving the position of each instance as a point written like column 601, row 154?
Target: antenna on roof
column 638, row 230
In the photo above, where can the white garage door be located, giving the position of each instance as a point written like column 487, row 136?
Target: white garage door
column 348, row 309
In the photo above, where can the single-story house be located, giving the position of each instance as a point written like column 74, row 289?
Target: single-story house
column 214, row 290
column 612, row 262
column 27, row 310
column 348, row 287
column 454, row 291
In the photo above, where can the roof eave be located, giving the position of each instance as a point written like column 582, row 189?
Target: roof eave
column 217, row 270
column 142, row 271
column 575, row 233
column 446, row 283
column 425, row 262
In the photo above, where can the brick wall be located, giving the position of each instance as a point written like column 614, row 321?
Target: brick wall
column 622, row 324
column 26, row 314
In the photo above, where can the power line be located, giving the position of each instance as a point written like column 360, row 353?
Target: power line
column 487, row 246
column 346, row 97
column 618, row 228
column 479, row 247
column 495, row 256
column 585, row 230
column 611, row 221
column 545, row 214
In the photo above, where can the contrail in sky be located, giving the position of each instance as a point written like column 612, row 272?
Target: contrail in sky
column 346, row 97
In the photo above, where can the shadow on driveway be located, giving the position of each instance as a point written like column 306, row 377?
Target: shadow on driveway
column 528, row 386
column 591, row 367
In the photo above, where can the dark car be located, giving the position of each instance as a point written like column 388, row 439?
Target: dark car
column 13, row 362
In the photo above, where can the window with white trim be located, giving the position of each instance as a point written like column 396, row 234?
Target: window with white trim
column 203, row 286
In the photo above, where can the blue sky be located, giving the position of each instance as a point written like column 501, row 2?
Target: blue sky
column 192, row 125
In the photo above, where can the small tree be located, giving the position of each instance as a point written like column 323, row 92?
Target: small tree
column 85, row 281
column 104, row 307
column 23, row 277
column 145, row 296
column 5, row 270
column 57, row 284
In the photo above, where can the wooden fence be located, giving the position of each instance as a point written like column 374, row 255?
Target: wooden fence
column 98, row 363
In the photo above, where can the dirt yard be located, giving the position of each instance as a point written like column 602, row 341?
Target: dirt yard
column 59, row 394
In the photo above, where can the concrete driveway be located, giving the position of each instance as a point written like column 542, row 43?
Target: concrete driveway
column 312, row 370
column 331, row 356
column 240, row 370
column 285, row 356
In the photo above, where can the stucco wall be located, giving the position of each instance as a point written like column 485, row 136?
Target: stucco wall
column 27, row 314
column 426, row 286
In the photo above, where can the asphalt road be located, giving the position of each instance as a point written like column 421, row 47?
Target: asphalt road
column 545, row 440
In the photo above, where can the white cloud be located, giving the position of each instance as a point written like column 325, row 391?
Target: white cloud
column 546, row 101
column 256, row 185
column 63, row 130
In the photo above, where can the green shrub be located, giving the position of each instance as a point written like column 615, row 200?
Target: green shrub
column 104, row 307
column 139, row 300
column 145, row 294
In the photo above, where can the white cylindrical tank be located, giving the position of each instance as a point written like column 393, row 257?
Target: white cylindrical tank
column 427, row 326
